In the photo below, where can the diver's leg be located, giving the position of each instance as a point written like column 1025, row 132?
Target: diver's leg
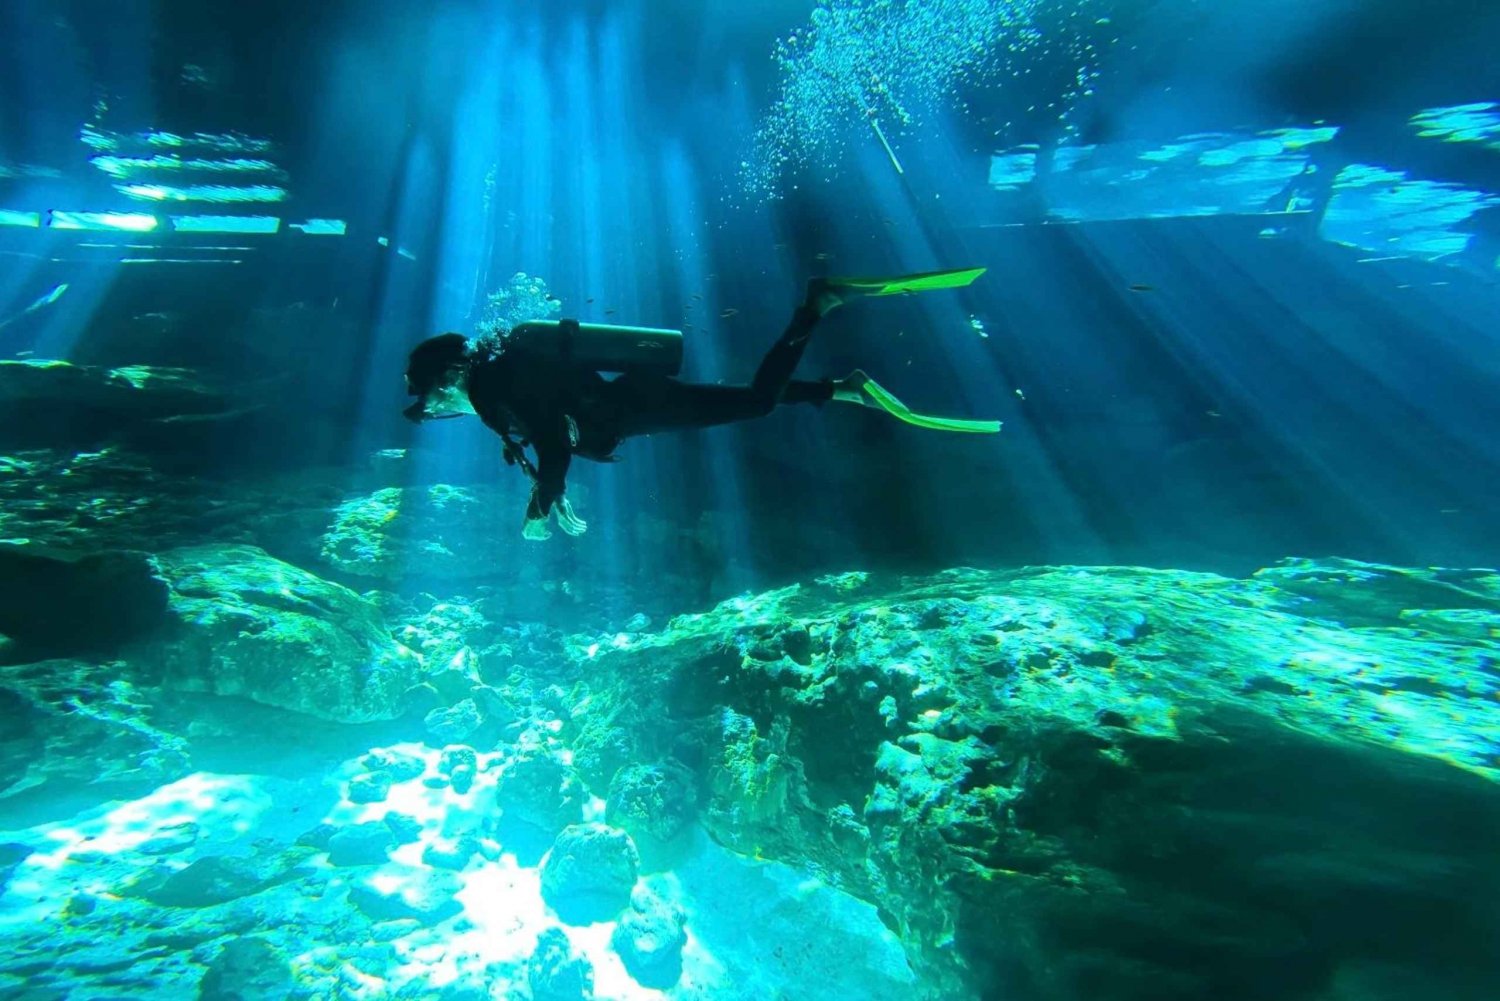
column 648, row 405
column 776, row 368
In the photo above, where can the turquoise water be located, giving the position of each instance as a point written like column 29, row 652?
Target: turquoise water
column 1110, row 619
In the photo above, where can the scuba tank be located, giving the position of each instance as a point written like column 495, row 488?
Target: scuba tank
column 602, row 347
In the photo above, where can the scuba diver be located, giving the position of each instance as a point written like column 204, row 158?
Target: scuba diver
column 542, row 386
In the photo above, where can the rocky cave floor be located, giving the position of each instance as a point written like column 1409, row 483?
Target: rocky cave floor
column 224, row 774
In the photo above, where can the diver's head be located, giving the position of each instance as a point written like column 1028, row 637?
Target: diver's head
column 437, row 374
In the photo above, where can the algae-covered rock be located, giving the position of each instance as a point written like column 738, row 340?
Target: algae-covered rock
column 1365, row 594
column 601, row 748
column 649, row 939
column 387, row 531
column 247, row 968
column 656, row 802
column 216, row 879
column 556, row 972
column 253, row 626
column 399, row 765
column 453, row 724
column 425, row 895
column 371, row 787
column 536, row 788
column 1102, row 782
column 360, row 844
column 589, row 873
column 457, row 756
column 453, row 854
column 12, row 854
column 70, row 724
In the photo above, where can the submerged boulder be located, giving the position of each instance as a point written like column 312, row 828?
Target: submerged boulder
column 453, row 724
column 589, row 873
column 249, row 967
column 424, row 895
column 217, row 879
column 360, row 844
column 536, row 788
column 649, row 939
column 252, row 626
column 1105, row 782
column 556, row 972
column 657, row 802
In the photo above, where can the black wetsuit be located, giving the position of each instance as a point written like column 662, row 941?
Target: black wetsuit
column 564, row 411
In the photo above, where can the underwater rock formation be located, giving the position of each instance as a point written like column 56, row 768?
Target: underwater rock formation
column 453, row 723
column 216, row 879
column 384, row 533
column 49, row 403
column 12, row 854
column 59, row 603
column 247, row 968
column 360, row 844
column 649, row 939
column 589, row 873
column 1104, row 783
column 556, row 973
column 396, row 893
column 536, row 788
column 70, row 724
column 253, row 626
column 655, row 802
column 1080, row 782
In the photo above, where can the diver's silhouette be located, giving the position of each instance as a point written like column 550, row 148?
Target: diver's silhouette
column 541, row 386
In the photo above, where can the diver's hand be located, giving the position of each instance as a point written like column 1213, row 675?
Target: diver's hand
column 567, row 520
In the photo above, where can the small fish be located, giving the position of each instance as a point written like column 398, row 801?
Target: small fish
column 1449, row 510
column 1142, row 288
column 55, row 294
column 588, row 300
column 697, row 295
column 728, row 313
column 610, row 312
column 1020, row 394
column 1213, row 413
column 52, row 295
column 822, row 257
